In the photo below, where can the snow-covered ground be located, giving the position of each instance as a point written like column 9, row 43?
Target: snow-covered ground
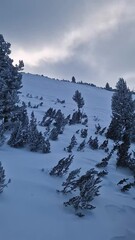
column 30, row 208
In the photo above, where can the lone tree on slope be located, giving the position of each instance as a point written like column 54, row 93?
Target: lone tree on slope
column 77, row 97
column 10, row 82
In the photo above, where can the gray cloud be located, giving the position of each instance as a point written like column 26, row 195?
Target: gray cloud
column 93, row 40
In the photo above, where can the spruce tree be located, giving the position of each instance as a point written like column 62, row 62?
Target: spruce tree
column 77, row 97
column 123, row 155
column 3, row 184
column 122, row 112
column 33, row 134
column 10, row 82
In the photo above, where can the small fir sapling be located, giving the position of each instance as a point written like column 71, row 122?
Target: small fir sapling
column 98, row 128
column 73, row 142
column 81, row 146
column 48, row 117
column 104, row 144
column 43, row 145
column 70, row 184
column 84, row 133
column 33, row 134
column 75, row 118
column 54, row 134
column 88, row 185
column 122, row 181
column 77, row 97
column 3, row 179
column 36, row 141
column 103, row 163
column 62, row 167
column 93, row 143
column 59, row 121
column 102, row 173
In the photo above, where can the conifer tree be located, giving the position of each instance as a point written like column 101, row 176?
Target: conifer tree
column 62, row 167
column 122, row 112
column 2, row 136
column 10, row 82
column 123, row 155
column 20, row 131
column 77, row 97
column 33, row 134
column 3, row 178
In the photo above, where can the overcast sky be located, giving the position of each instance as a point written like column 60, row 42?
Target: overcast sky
column 92, row 40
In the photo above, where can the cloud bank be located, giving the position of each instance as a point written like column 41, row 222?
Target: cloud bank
column 92, row 40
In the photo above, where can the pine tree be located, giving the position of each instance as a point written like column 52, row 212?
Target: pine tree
column 3, row 179
column 107, row 87
column 59, row 121
column 70, row 184
column 88, row 185
column 81, row 146
column 10, row 82
column 73, row 80
column 2, row 136
column 123, row 155
column 33, row 134
column 43, row 145
column 84, row 133
column 93, row 143
column 16, row 138
column 20, row 128
column 77, row 97
column 122, row 112
column 54, row 134
column 62, row 167
column 73, row 142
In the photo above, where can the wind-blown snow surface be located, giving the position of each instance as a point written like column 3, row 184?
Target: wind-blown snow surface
column 30, row 208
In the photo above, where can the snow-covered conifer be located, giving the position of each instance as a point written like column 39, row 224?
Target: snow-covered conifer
column 10, row 82
column 88, row 185
column 54, row 134
column 93, row 143
column 84, row 133
column 70, row 184
column 2, row 178
column 81, row 146
column 123, row 155
column 73, row 142
column 77, row 97
column 62, row 167
column 122, row 112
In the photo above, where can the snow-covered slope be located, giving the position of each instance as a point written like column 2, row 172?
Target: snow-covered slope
column 30, row 208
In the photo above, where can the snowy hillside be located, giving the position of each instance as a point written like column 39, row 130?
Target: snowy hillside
column 31, row 208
